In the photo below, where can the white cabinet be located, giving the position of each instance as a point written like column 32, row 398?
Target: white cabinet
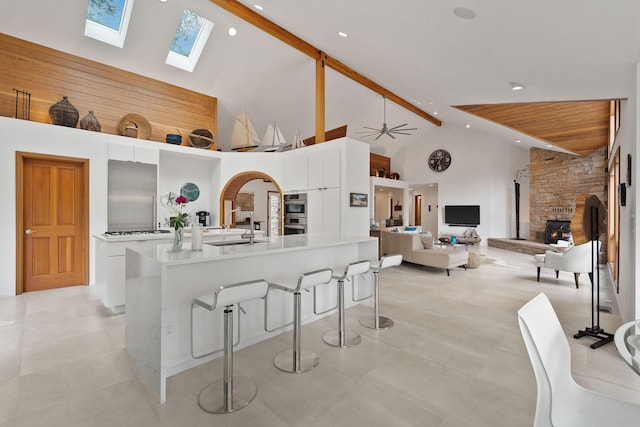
column 131, row 153
column 324, row 168
column 296, row 170
column 324, row 209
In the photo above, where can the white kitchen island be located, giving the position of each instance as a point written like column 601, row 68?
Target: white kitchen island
column 160, row 286
column 110, row 262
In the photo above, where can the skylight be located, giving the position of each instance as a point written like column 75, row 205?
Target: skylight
column 108, row 20
column 191, row 36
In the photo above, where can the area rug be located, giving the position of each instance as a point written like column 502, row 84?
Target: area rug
column 497, row 261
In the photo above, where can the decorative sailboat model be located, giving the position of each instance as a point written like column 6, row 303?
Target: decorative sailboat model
column 273, row 139
column 244, row 135
column 297, row 141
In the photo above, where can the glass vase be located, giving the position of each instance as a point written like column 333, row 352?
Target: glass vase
column 178, row 238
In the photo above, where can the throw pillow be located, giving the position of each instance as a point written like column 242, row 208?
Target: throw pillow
column 427, row 240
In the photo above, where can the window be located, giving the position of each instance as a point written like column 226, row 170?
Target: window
column 108, row 20
column 187, row 45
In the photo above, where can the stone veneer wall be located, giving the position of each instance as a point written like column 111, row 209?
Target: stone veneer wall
column 555, row 181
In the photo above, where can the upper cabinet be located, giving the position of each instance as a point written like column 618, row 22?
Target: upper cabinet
column 324, row 167
column 132, row 153
column 296, row 171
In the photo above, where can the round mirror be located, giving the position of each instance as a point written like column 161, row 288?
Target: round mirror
column 190, row 191
column 168, row 199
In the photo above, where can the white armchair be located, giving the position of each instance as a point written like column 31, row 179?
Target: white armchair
column 576, row 259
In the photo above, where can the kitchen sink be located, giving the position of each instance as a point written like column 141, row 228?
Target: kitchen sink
column 232, row 242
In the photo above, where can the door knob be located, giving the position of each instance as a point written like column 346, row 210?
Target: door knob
column 28, row 231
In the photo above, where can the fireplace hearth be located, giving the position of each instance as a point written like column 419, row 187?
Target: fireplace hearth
column 557, row 230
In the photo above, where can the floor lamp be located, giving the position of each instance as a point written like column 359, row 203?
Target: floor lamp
column 517, row 188
column 593, row 217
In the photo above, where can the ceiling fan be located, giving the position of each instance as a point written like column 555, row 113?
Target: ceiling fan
column 398, row 130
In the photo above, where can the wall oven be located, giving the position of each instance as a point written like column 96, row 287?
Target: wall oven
column 295, row 214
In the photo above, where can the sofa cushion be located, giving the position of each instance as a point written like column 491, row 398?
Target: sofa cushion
column 427, row 240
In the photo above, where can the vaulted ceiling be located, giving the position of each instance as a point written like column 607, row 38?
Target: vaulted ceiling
column 580, row 127
column 421, row 50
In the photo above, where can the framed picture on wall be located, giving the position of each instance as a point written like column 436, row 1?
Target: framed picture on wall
column 358, row 200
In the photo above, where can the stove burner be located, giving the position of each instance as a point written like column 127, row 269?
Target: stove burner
column 134, row 232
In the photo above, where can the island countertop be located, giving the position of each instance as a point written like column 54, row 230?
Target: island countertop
column 161, row 252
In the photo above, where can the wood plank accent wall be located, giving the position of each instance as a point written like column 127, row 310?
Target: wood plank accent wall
column 378, row 161
column 111, row 93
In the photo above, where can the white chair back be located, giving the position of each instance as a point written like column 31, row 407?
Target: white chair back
column 240, row 292
column 314, row 278
column 561, row 401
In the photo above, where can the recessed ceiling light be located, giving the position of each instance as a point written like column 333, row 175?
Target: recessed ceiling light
column 430, row 102
column 435, row 113
column 518, row 141
column 163, row 1
column 341, row 34
column 516, row 86
column 549, row 146
column 257, row 6
column 464, row 13
column 232, row 31
column 467, row 125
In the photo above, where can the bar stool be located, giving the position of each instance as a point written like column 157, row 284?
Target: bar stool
column 230, row 393
column 296, row 359
column 341, row 338
column 376, row 321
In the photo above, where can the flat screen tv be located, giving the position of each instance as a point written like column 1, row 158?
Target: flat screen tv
column 462, row 215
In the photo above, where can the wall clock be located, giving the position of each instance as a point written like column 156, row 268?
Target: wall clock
column 439, row 160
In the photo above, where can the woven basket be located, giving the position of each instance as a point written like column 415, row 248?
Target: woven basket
column 201, row 138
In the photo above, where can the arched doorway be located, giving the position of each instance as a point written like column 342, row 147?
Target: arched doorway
column 232, row 188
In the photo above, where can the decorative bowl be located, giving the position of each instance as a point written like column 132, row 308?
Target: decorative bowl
column 201, row 138
column 174, row 138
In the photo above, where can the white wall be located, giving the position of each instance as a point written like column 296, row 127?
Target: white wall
column 260, row 190
column 481, row 173
column 628, row 299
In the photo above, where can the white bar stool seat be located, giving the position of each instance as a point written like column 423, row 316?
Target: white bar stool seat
column 376, row 321
column 297, row 359
column 230, row 393
column 342, row 338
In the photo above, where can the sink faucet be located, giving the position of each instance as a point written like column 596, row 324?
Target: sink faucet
column 250, row 234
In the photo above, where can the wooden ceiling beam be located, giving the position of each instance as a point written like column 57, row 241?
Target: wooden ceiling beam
column 259, row 21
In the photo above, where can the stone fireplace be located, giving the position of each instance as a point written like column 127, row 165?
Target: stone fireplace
column 556, row 179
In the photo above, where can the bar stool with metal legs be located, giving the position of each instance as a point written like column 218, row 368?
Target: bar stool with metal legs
column 376, row 321
column 342, row 338
column 230, row 393
column 298, row 359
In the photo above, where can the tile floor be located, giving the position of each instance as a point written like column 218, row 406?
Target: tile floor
column 454, row 358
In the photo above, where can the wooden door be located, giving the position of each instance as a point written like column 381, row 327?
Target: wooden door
column 417, row 210
column 53, row 229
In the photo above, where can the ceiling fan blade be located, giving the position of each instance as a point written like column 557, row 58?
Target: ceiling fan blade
column 377, row 137
column 367, row 127
column 400, row 133
column 399, row 126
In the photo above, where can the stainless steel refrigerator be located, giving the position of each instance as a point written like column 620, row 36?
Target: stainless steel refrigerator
column 132, row 191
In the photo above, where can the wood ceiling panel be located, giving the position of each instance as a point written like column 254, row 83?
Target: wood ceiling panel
column 577, row 126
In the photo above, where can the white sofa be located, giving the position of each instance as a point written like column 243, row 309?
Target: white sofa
column 410, row 246
column 576, row 259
